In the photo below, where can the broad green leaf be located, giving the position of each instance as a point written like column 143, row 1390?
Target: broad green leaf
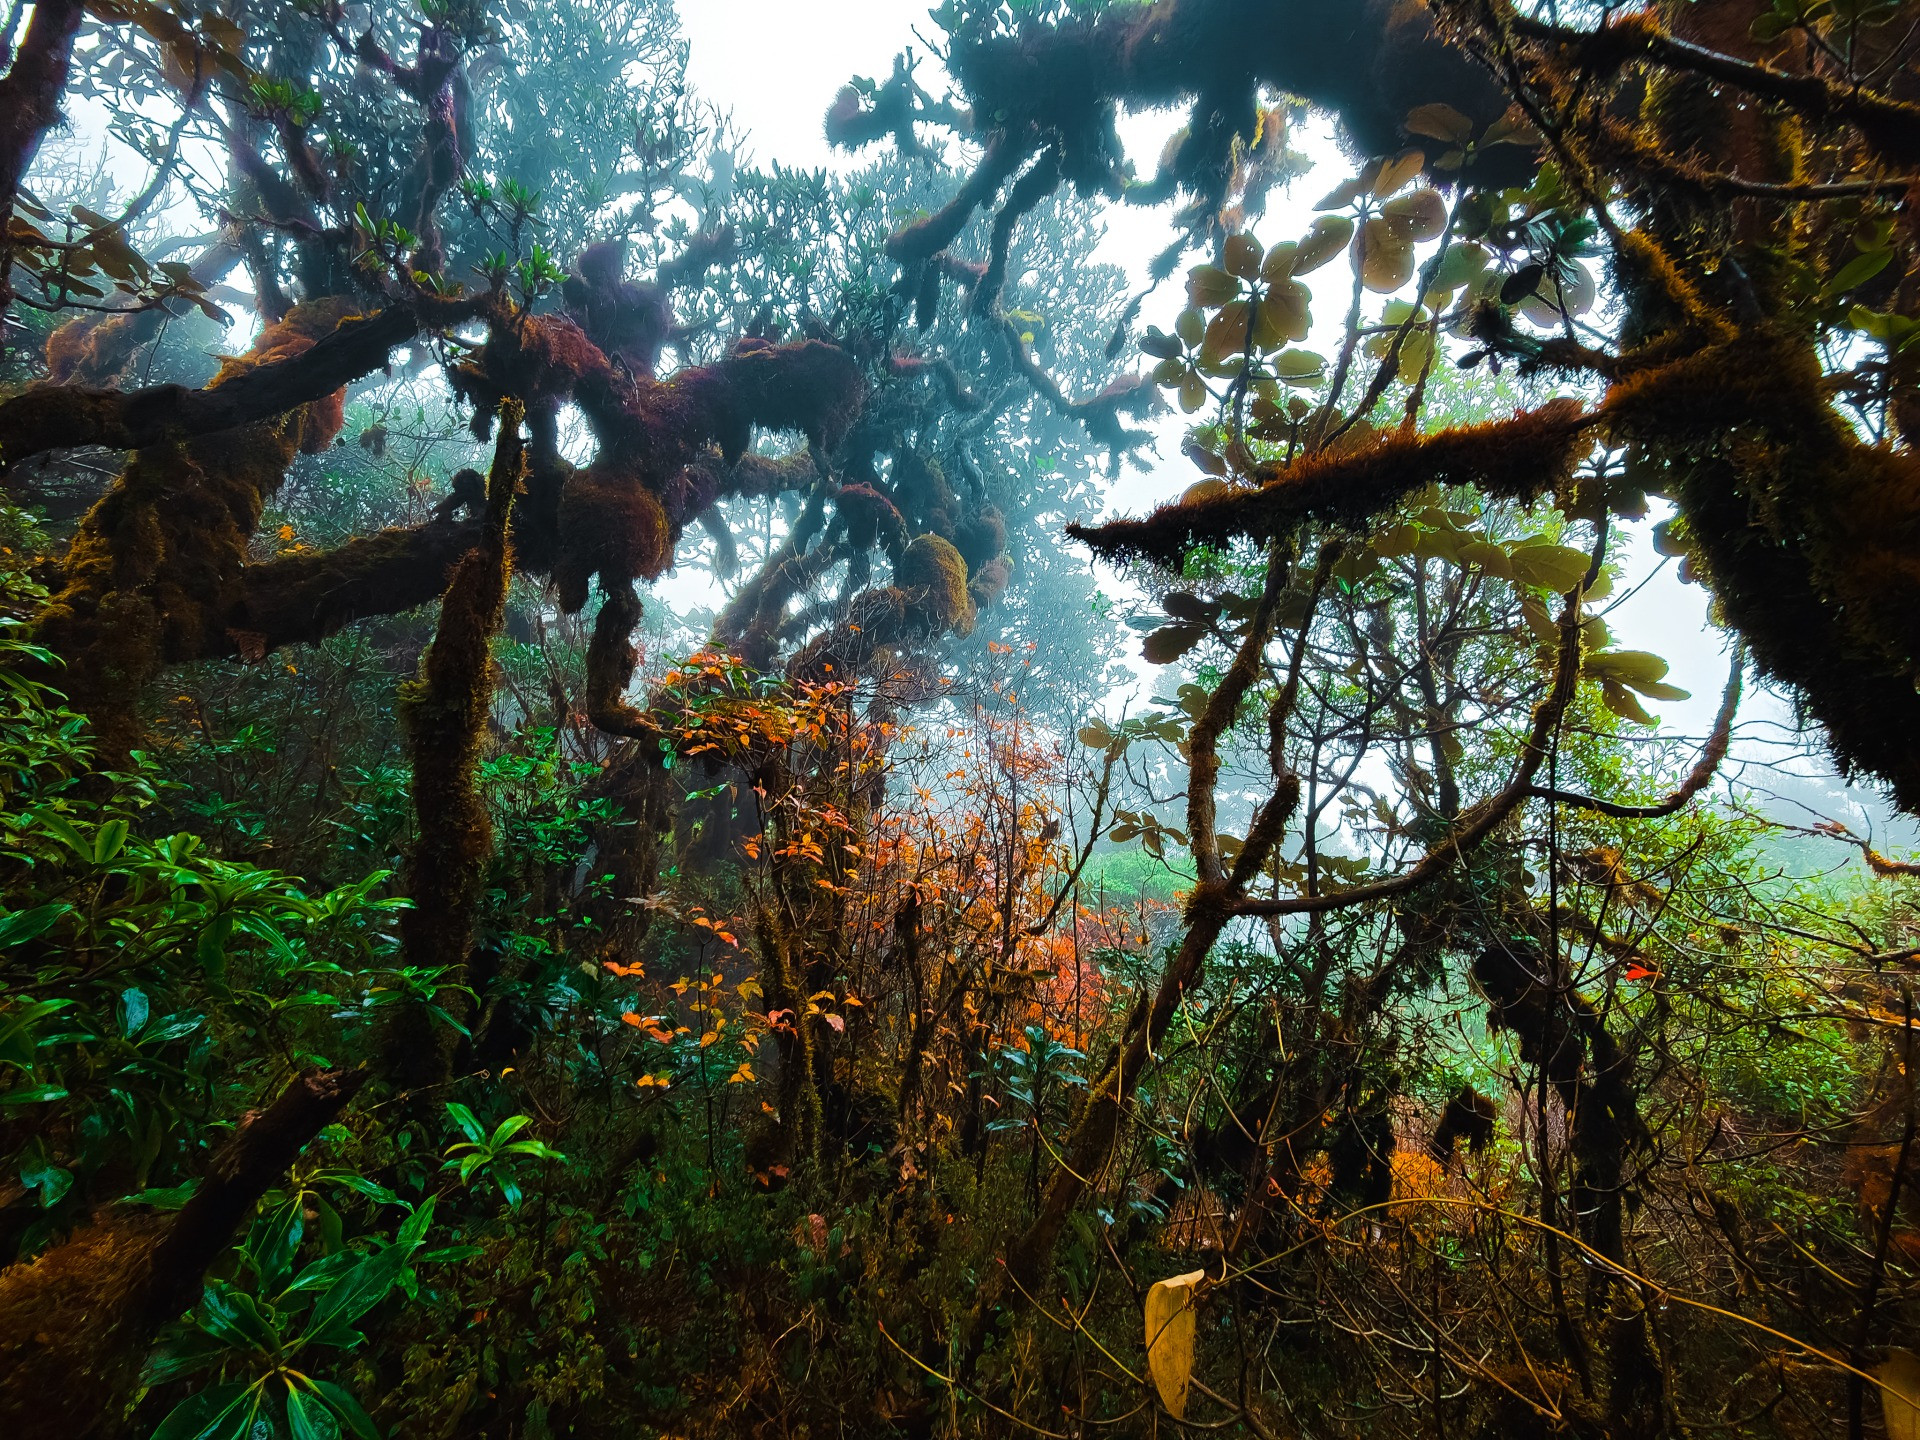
column 508, row 1128
column 347, row 1408
column 27, row 924
column 1554, row 567
column 351, row 1296
column 236, row 1317
column 469, row 1126
column 108, row 839
column 309, row 1418
column 1857, row 271
column 275, row 1241
column 224, row 1412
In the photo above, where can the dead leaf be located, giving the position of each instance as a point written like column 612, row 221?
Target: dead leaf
column 1899, row 1376
column 1170, row 1329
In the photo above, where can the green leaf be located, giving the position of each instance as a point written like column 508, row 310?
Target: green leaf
column 108, row 839
column 414, row 1230
column 224, row 1412
column 62, row 830
column 469, row 1126
column 27, row 924
column 32, row 1095
column 347, row 1408
column 211, row 949
column 51, row 1180
column 351, row 1296
column 1621, row 702
column 508, row 1128
column 1554, row 567
column 275, row 1241
column 1858, row 271
column 309, row 1418
column 192, row 1351
column 169, row 1197
column 369, row 1188
column 236, row 1317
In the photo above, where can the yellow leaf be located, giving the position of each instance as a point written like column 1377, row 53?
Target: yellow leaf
column 1327, row 239
column 1439, row 122
column 1384, row 255
column 1170, row 1328
column 1899, row 1374
column 1398, row 171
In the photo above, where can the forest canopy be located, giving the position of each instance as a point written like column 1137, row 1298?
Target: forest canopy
column 612, row 824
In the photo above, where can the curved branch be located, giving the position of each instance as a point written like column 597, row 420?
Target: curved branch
column 1889, row 126
column 1480, row 821
column 1516, row 459
column 55, row 417
column 302, row 599
column 30, row 93
column 1697, row 778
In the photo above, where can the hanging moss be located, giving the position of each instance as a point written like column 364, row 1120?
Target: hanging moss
column 444, row 714
column 610, row 527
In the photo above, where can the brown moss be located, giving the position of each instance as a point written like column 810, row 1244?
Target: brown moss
column 538, row 359
column 1810, row 539
column 611, row 661
column 73, row 1334
column 1520, row 459
column 934, row 577
column 990, row 582
column 95, row 349
column 151, row 571
column 612, row 528
column 870, row 518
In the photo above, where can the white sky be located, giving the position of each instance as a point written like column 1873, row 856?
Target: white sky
column 776, row 65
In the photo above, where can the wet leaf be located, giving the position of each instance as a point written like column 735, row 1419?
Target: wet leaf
column 1384, row 256
column 1170, row 642
column 1241, row 256
column 1327, row 238
column 1284, row 315
column 1209, row 287
column 1420, row 214
column 1439, row 122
